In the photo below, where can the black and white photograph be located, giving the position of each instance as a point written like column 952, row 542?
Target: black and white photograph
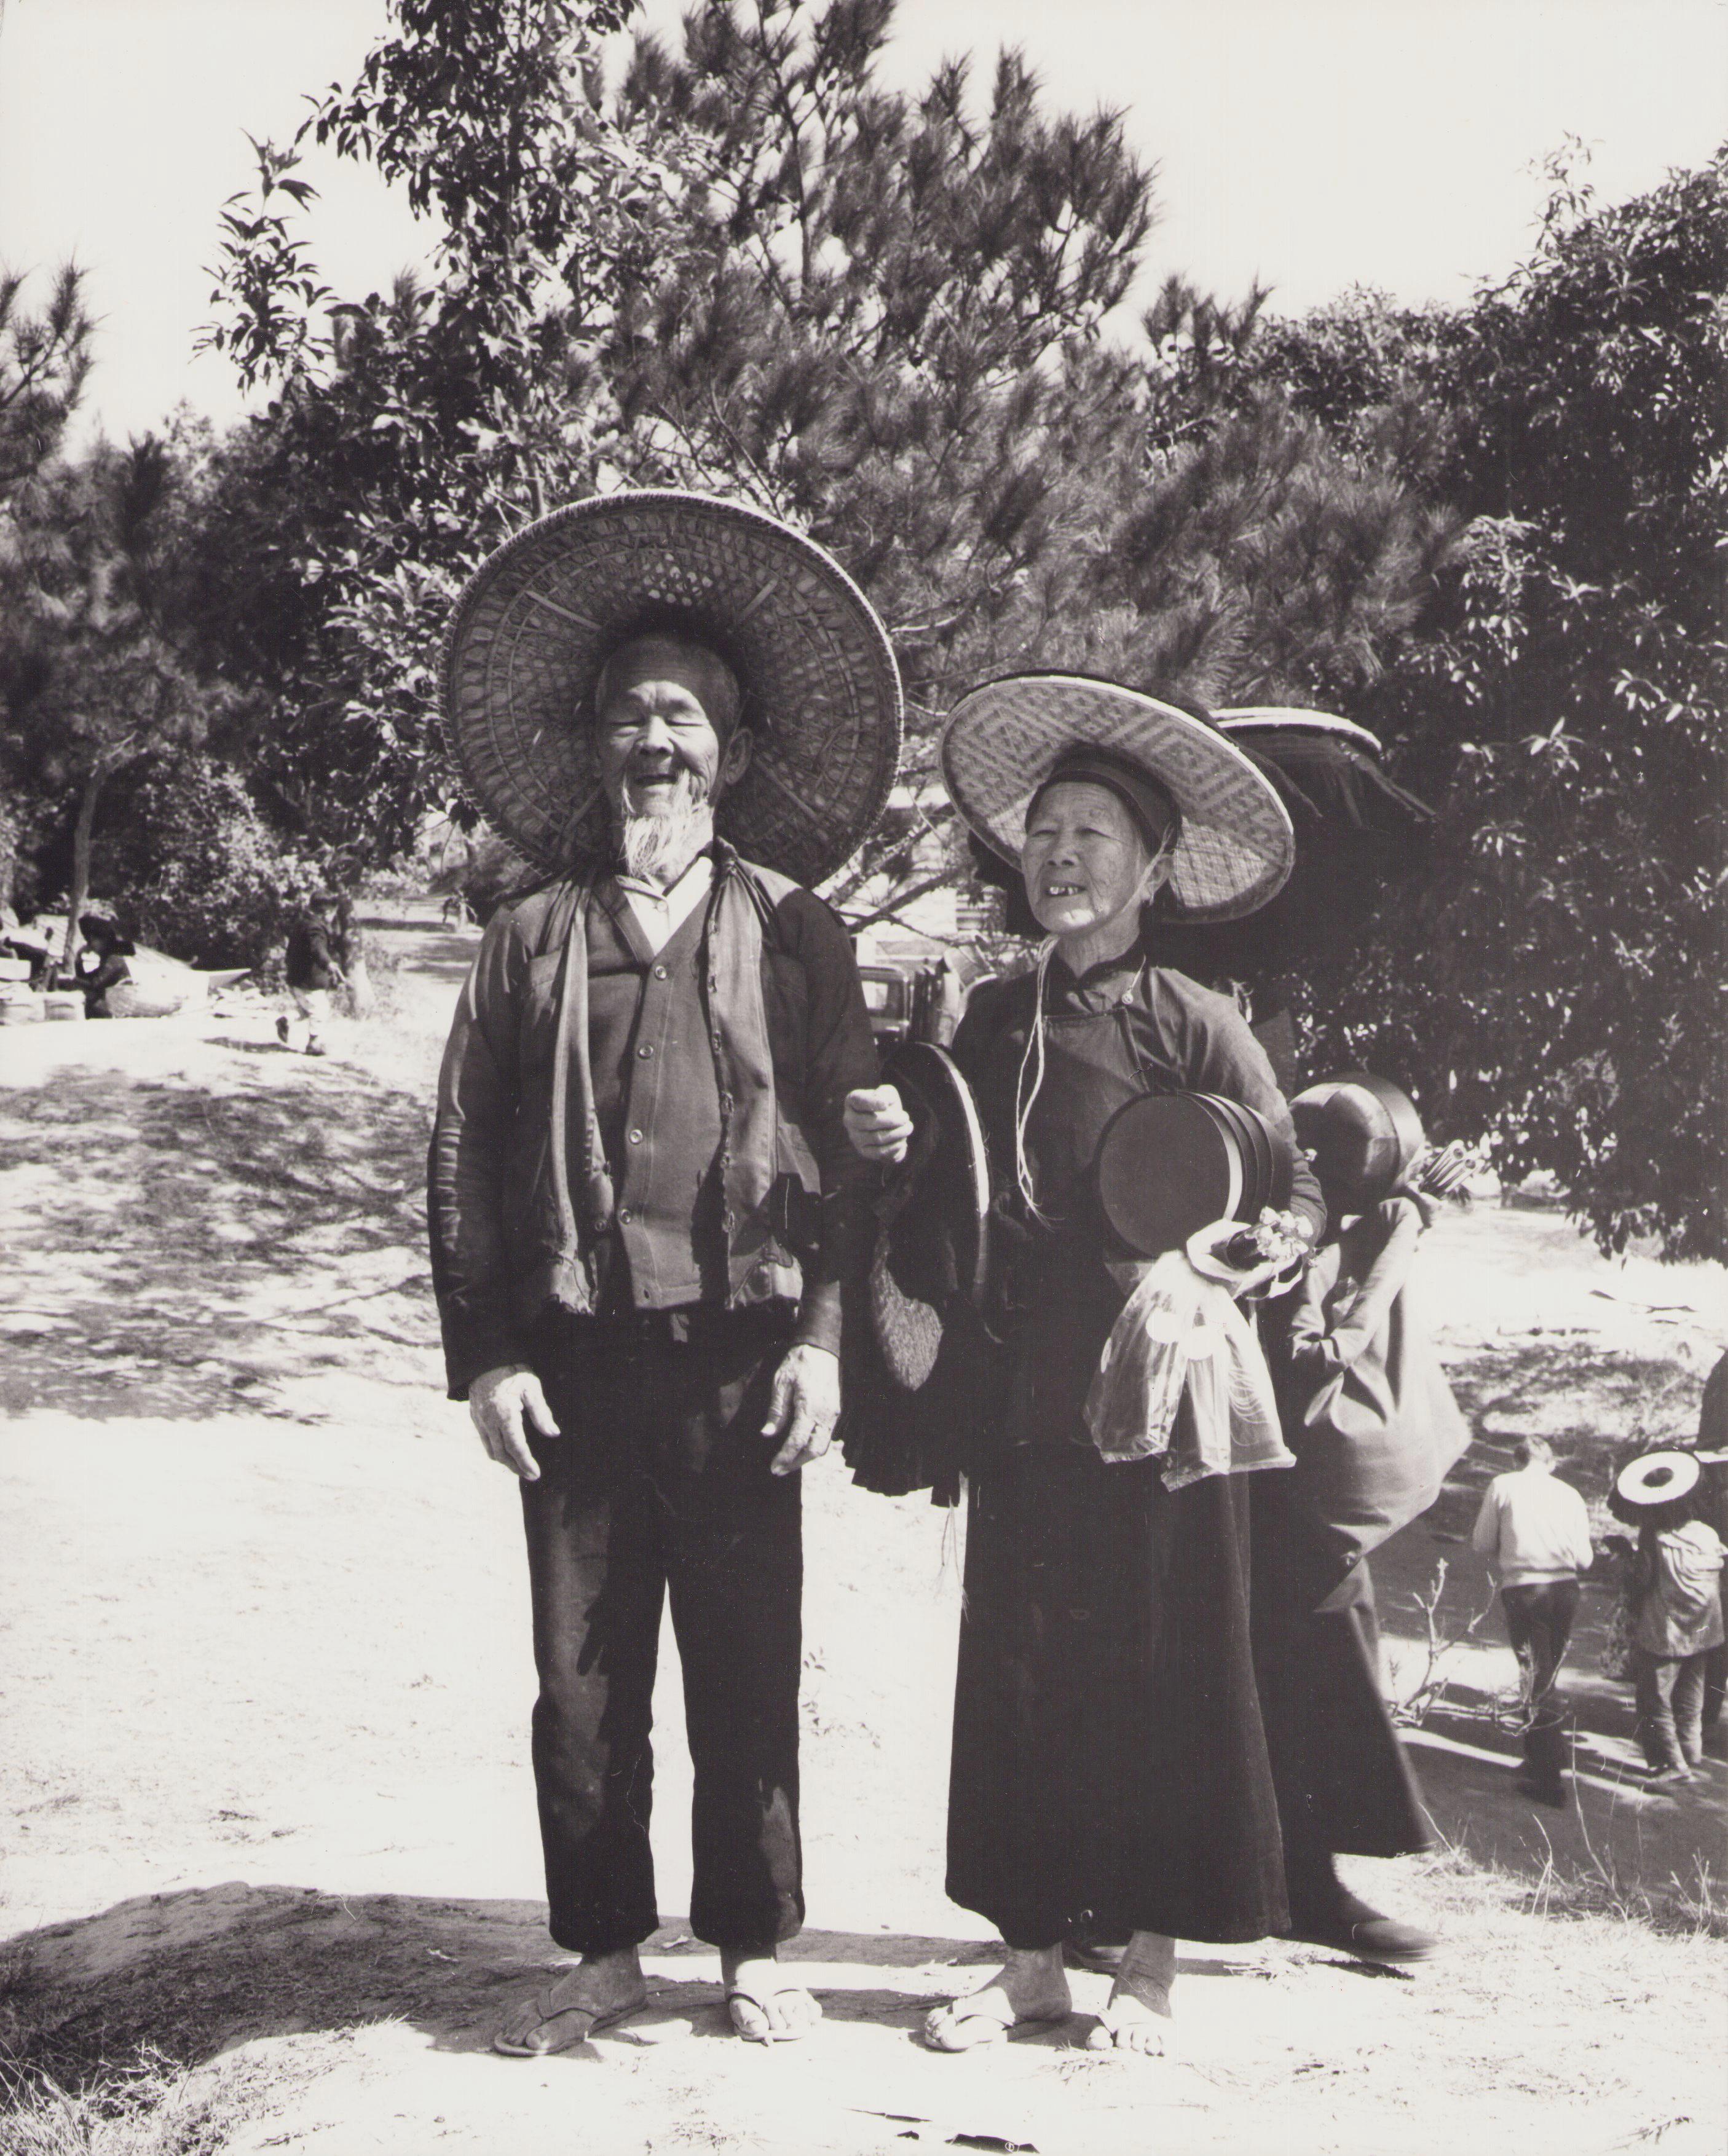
column 861, row 1077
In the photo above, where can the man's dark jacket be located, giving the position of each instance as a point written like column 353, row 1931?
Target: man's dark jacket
column 509, row 1230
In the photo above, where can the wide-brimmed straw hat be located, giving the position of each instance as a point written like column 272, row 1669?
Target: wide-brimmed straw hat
column 1657, row 1478
column 1294, row 723
column 539, row 618
column 1236, row 845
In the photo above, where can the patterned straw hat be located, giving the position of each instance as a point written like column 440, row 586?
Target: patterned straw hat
column 1657, row 1478
column 821, row 692
column 1237, row 846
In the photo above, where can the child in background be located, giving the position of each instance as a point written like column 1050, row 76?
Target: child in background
column 1678, row 1611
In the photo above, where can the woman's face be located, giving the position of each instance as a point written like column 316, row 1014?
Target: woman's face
column 1083, row 859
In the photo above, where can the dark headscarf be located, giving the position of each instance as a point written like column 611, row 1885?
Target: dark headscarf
column 1146, row 798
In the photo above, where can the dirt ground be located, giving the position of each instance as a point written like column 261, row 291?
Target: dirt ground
column 266, row 1684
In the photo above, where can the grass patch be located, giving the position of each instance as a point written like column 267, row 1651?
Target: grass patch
column 1567, row 1890
column 151, row 2106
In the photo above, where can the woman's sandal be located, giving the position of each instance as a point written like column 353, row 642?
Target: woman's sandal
column 1103, row 2036
column 741, row 2003
column 993, row 2022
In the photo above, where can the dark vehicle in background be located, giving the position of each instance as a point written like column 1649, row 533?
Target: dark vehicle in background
column 908, row 999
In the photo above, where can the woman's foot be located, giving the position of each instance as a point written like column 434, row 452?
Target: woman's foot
column 764, row 2008
column 1349, row 1926
column 1138, row 2017
column 1031, row 1986
column 601, row 1989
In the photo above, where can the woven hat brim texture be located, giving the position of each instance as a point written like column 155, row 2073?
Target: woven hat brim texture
column 540, row 616
column 1236, row 847
column 1657, row 1478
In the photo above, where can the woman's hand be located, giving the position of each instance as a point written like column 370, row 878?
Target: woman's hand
column 804, row 1407
column 877, row 1124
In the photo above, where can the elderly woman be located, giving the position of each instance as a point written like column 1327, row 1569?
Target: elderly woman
column 1110, row 1775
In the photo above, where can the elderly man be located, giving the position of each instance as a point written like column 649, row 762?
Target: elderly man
column 644, row 1206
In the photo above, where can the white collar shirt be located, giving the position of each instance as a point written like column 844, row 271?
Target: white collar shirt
column 661, row 914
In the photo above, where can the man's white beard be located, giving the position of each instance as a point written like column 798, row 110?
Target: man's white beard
column 659, row 848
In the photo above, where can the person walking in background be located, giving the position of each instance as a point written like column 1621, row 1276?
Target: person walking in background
column 312, row 971
column 1677, row 1609
column 1534, row 1530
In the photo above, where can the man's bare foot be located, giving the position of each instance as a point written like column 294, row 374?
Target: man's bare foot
column 1138, row 2013
column 601, row 1989
column 1031, row 1986
column 764, row 2008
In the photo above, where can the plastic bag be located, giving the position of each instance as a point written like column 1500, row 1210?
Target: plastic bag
column 1180, row 1335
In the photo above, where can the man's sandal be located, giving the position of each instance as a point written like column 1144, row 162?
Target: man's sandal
column 746, row 2007
column 561, row 2028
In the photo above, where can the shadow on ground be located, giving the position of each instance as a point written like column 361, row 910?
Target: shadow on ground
column 184, row 1248
column 196, row 1973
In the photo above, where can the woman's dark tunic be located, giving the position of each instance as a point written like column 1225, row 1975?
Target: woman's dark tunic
column 1110, row 1770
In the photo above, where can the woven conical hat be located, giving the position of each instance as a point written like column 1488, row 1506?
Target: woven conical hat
column 1657, row 1478
column 540, row 616
column 1237, row 846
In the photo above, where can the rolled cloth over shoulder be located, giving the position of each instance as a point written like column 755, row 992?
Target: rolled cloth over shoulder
column 1146, row 798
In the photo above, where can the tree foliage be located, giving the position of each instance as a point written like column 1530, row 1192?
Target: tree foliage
column 409, row 431
column 95, row 667
column 45, row 361
column 1556, row 981
column 1487, row 530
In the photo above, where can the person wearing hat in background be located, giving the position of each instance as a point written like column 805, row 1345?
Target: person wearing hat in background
column 1677, row 1607
column 643, row 1208
column 1368, row 1414
column 1110, row 1775
column 1711, row 1449
column 1534, row 1529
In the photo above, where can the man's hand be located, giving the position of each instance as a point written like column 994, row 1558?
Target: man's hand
column 502, row 1403
column 877, row 1122
column 804, row 1406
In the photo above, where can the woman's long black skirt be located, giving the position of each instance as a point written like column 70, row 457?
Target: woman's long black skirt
column 1110, row 1770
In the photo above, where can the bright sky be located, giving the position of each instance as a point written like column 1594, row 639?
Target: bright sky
column 1315, row 143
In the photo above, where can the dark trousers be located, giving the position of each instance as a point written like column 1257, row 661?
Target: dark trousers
column 1669, row 1690
column 660, row 1485
column 1538, row 1624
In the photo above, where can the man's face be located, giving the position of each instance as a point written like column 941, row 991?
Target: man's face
column 657, row 745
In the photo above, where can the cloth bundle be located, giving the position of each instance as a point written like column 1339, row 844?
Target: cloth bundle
column 1182, row 1336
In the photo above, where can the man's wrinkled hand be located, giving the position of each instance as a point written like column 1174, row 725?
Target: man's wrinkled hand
column 804, row 1407
column 502, row 1404
column 877, row 1122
